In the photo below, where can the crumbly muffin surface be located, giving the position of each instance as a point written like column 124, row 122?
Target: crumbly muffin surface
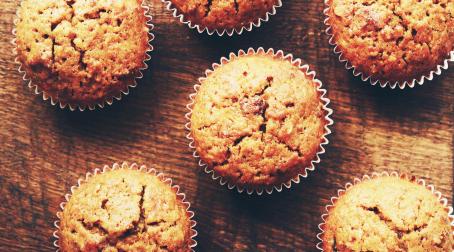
column 82, row 52
column 124, row 210
column 388, row 214
column 258, row 120
column 224, row 14
column 393, row 40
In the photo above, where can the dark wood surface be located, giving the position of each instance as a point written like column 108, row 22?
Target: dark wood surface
column 44, row 150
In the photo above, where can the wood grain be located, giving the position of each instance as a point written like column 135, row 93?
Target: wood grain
column 44, row 150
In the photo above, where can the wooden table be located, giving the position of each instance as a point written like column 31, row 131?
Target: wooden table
column 44, row 150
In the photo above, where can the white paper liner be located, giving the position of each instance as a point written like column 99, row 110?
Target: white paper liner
column 413, row 179
column 381, row 83
column 125, row 165
column 54, row 101
column 304, row 173
column 229, row 32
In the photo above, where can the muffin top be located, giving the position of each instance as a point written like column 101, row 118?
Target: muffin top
column 224, row 14
column 388, row 214
column 258, row 120
column 394, row 41
column 82, row 52
column 124, row 210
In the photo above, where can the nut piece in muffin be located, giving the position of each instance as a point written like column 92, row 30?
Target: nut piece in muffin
column 224, row 14
column 395, row 41
column 258, row 121
column 387, row 214
column 124, row 210
column 81, row 52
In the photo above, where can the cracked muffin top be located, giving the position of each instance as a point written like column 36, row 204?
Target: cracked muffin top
column 395, row 40
column 124, row 210
column 82, row 52
column 224, row 14
column 388, row 214
column 258, row 120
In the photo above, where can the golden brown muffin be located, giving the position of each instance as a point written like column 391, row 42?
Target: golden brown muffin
column 82, row 52
column 258, row 121
column 388, row 214
column 124, row 210
column 395, row 40
column 224, row 14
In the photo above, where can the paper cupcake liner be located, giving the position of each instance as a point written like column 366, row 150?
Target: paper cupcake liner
column 229, row 32
column 419, row 181
column 109, row 101
column 337, row 51
column 304, row 173
column 181, row 196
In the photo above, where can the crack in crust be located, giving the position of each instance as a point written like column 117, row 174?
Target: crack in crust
column 400, row 233
column 208, row 7
column 259, row 106
column 141, row 223
column 94, row 227
column 237, row 7
column 113, row 240
column 334, row 247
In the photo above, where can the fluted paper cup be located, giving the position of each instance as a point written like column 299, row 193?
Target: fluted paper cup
column 133, row 166
column 374, row 81
column 220, row 32
column 342, row 191
column 109, row 100
column 303, row 172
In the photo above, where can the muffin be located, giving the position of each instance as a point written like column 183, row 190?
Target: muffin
column 387, row 214
column 82, row 53
column 225, row 15
column 393, row 41
column 125, row 210
column 258, row 120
